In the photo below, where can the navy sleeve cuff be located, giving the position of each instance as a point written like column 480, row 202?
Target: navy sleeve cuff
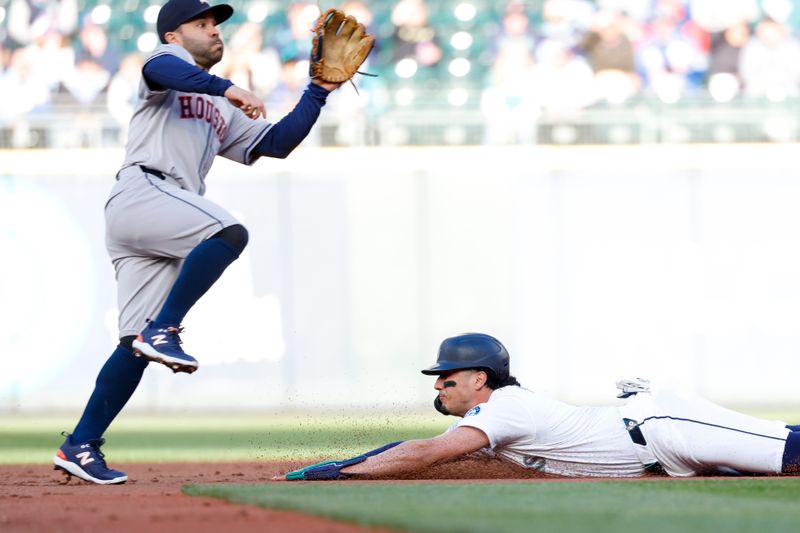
column 218, row 86
column 317, row 92
column 290, row 131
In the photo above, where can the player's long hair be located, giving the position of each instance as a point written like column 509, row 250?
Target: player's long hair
column 494, row 382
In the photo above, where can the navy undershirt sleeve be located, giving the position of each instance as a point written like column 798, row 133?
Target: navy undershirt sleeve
column 171, row 72
column 287, row 133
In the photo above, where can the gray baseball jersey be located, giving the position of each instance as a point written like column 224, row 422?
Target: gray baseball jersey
column 154, row 219
column 180, row 133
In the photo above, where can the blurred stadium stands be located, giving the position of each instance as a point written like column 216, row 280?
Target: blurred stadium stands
column 451, row 72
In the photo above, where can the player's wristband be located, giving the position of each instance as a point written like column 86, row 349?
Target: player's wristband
column 328, row 470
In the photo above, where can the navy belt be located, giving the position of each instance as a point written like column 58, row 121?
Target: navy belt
column 156, row 173
column 634, row 432
column 636, row 435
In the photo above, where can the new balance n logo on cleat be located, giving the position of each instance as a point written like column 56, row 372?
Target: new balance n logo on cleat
column 85, row 461
column 85, row 457
column 162, row 344
column 159, row 339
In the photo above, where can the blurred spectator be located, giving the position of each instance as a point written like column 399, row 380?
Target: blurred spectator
column 415, row 43
column 673, row 57
column 715, row 16
column 770, row 62
column 536, row 62
column 508, row 100
column 637, row 10
column 3, row 33
column 283, row 96
column 610, row 54
column 94, row 47
column 515, row 30
column 95, row 62
column 565, row 20
column 23, row 95
column 22, row 92
column 349, row 109
column 247, row 64
column 29, row 19
column 52, row 59
column 724, row 81
column 5, row 55
column 562, row 81
column 123, row 90
column 87, row 81
column 726, row 47
column 293, row 40
column 606, row 45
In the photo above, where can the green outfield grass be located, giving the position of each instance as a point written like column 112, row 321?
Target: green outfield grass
column 652, row 506
column 219, row 438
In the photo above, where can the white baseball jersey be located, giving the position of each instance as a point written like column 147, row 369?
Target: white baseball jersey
column 684, row 433
column 556, row 438
column 180, row 133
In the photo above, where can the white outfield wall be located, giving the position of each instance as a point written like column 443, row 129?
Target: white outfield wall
column 591, row 264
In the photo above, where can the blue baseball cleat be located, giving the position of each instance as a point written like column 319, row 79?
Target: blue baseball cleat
column 86, row 461
column 162, row 344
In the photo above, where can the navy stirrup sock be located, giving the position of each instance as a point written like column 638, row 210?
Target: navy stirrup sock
column 115, row 384
column 201, row 269
column 791, row 453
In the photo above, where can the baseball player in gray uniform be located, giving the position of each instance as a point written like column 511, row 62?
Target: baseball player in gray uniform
column 677, row 433
column 167, row 242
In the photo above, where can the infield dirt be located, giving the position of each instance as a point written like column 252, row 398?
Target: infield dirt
column 33, row 498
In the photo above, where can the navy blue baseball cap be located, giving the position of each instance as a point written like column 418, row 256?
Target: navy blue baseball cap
column 176, row 12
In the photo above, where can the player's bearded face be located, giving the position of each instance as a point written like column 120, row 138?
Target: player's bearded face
column 456, row 391
column 201, row 38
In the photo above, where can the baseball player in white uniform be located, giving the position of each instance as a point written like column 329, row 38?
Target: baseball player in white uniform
column 167, row 242
column 681, row 434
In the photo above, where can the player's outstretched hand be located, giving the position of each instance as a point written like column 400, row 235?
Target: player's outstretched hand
column 331, row 469
column 250, row 104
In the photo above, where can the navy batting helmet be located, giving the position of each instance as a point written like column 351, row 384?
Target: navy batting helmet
column 471, row 350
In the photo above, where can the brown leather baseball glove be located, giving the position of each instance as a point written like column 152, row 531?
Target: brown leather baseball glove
column 340, row 46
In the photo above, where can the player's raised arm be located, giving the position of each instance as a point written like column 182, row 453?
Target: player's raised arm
column 346, row 46
column 167, row 71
